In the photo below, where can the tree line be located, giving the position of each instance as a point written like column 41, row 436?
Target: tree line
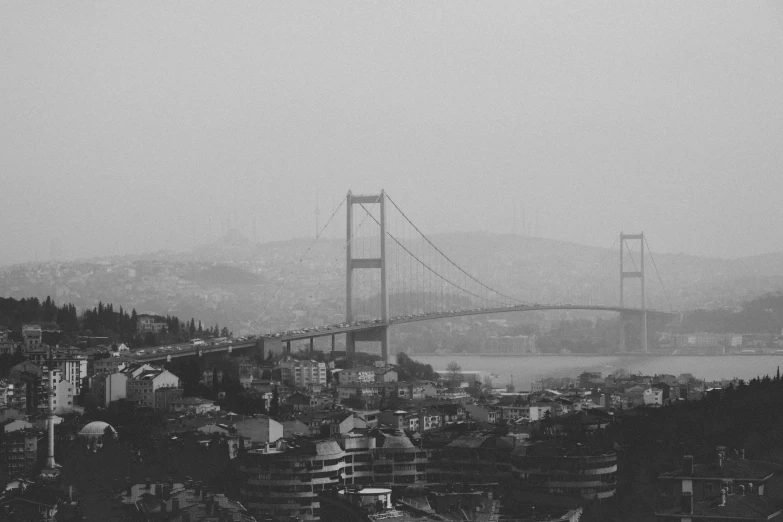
column 103, row 320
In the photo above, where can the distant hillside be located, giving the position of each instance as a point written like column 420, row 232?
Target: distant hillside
column 223, row 275
column 249, row 286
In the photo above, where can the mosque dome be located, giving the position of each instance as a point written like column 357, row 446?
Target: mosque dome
column 96, row 429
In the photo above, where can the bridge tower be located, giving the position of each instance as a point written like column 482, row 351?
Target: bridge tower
column 381, row 333
column 637, row 273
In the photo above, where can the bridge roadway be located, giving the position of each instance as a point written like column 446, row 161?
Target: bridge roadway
column 181, row 350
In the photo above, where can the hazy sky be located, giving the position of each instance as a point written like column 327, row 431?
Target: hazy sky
column 134, row 126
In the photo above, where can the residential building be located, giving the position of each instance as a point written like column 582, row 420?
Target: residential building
column 33, row 502
column 358, row 374
column 10, row 425
column 13, row 394
column 653, row 397
column 303, row 373
column 556, row 471
column 33, row 338
column 181, row 502
column 108, row 387
column 510, row 345
column 19, row 452
column 195, row 405
column 62, row 390
column 74, row 370
column 727, row 487
column 708, row 339
column 259, row 429
column 165, row 396
column 141, row 386
column 284, row 480
column 112, row 364
column 300, row 402
column 7, row 346
column 483, row 413
column 539, row 410
column 150, row 323
column 386, row 375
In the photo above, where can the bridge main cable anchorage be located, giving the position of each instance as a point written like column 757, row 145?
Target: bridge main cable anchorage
column 514, row 299
column 425, row 265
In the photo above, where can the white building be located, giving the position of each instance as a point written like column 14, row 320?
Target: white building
column 141, row 387
column 653, row 397
column 74, row 369
column 303, row 373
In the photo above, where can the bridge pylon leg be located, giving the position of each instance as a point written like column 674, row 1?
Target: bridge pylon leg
column 385, row 344
column 288, row 347
column 621, row 329
column 350, row 344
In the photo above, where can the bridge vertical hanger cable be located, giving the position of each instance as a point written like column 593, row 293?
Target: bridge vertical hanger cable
column 660, row 280
column 432, row 273
column 288, row 277
column 512, row 299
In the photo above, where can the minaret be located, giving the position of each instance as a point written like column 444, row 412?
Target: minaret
column 50, row 416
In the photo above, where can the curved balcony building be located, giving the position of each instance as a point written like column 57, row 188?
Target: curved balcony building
column 585, row 476
column 284, row 479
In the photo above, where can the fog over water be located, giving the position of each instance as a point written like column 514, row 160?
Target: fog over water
column 528, row 369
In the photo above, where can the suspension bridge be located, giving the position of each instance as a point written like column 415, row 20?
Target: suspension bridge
column 394, row 274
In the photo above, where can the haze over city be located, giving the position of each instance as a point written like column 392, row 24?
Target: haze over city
column 131, row 128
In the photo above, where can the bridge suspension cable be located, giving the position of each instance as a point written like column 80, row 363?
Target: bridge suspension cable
column 434, row 272
column 447, row 258
column 657, row 273
column 301, row 257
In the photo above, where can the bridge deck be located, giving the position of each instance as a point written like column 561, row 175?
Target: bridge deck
column 342, row 328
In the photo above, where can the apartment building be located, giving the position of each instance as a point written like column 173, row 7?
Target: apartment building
column 284, row 479
column 18, row 452
column 62, row 391
column 726, row 487
column 149, row 323
column 33, row 337
column 13, row 394
column 303, row 373
column 359, row 374
column 74, row 370
column 142, row 384
column 109, row 387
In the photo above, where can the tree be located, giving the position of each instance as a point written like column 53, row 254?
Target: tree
column 274, row 406
column 453, row 370
column 215, row 380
